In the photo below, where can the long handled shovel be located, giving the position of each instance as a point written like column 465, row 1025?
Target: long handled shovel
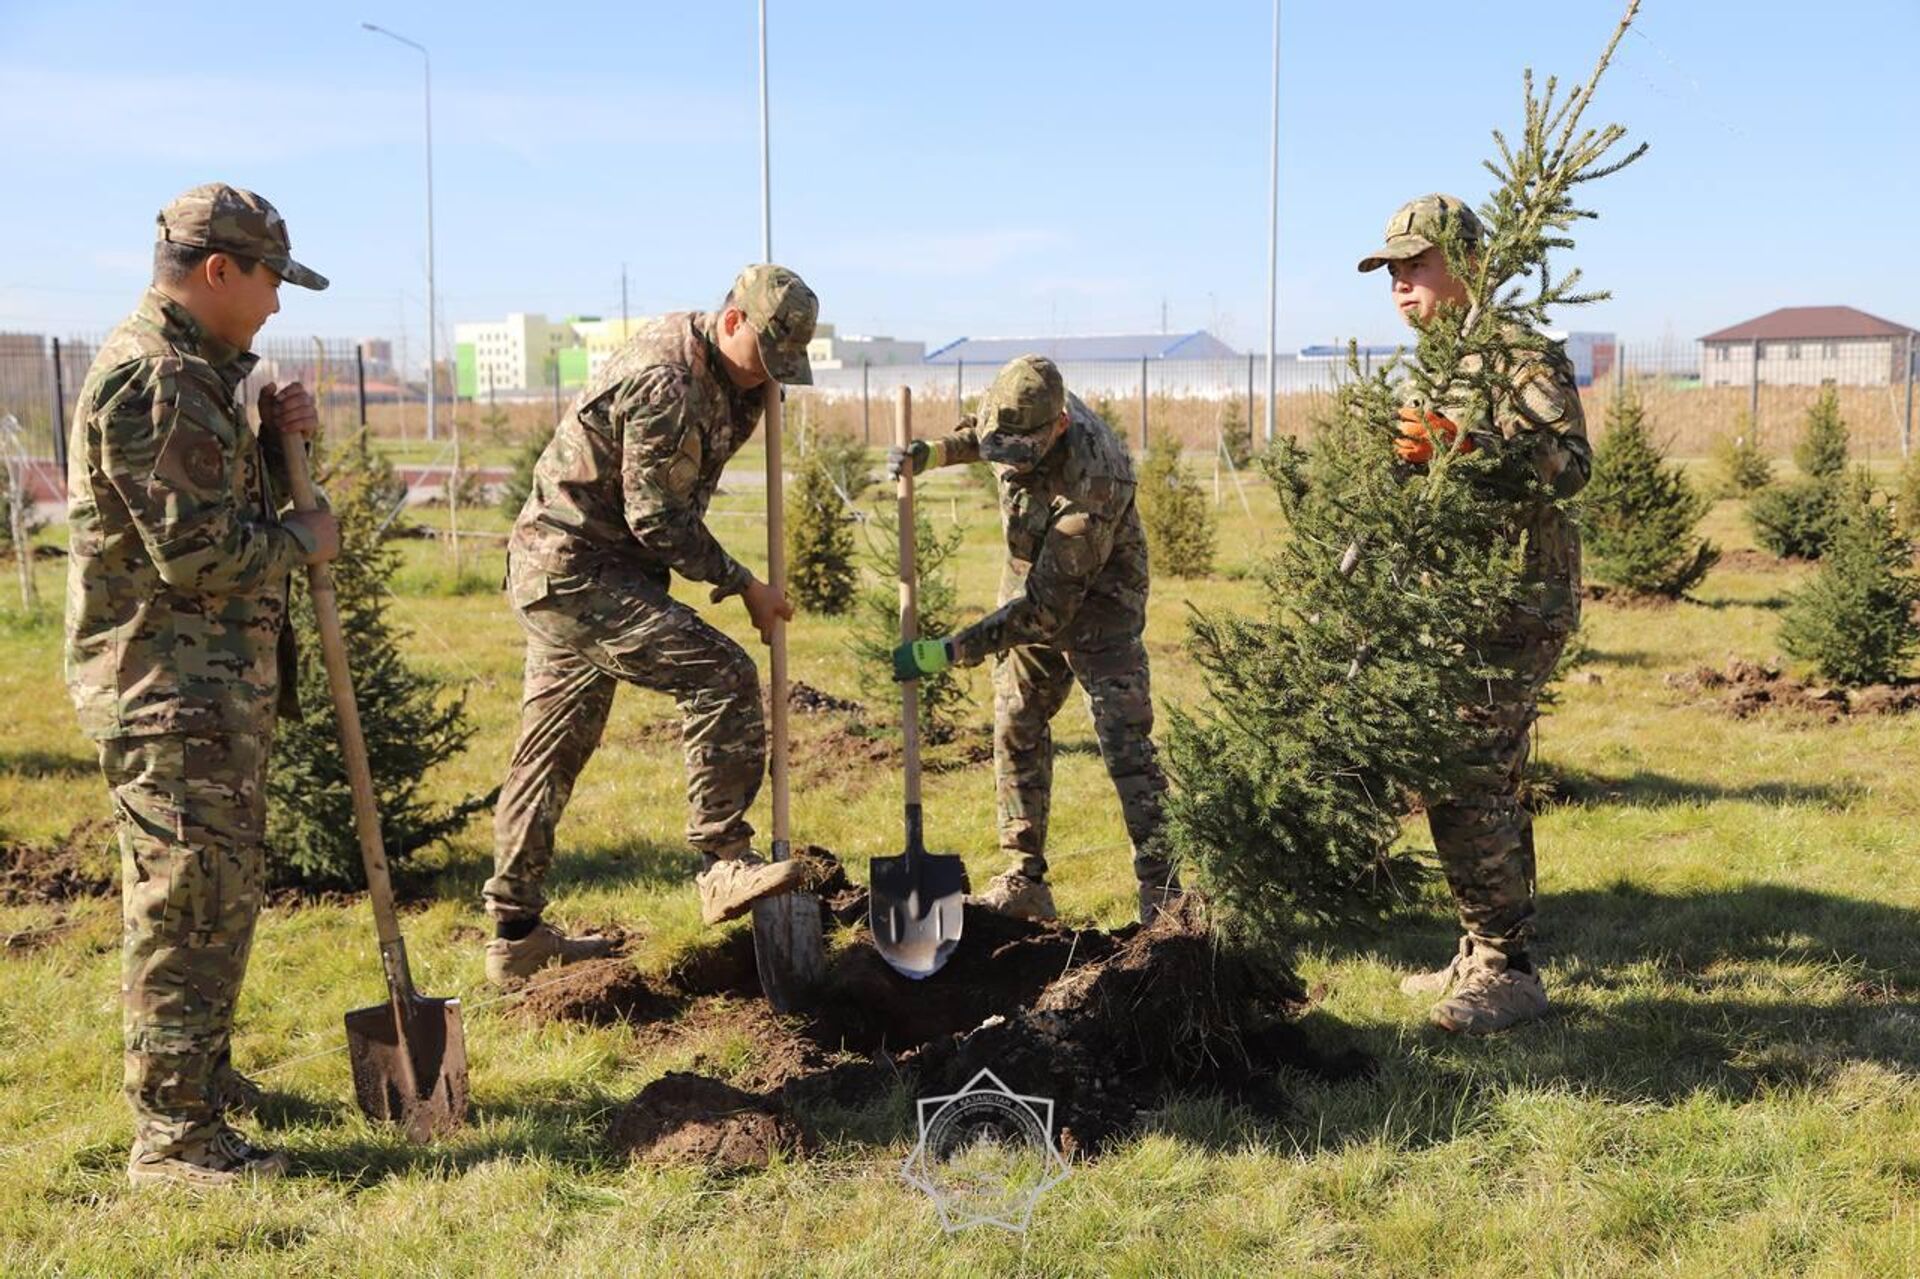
column 787, row 946
column 916, row 901
column 409, row 1055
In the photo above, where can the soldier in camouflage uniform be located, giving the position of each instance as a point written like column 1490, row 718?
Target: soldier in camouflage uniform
column 1073, row 605
column 1483, row 833
column 618, row 505
column 178, row 655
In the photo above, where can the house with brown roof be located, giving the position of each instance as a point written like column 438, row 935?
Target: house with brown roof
column 1810, row 346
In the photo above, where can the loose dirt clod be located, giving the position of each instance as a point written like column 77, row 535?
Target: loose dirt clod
column 686, row 1118
column 1744, row 689
column 77, row 865
column 598, row 991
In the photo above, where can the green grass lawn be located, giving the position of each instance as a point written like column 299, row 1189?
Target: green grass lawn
column 1729, row 924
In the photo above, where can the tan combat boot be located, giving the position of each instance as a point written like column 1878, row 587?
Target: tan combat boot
column 225, row 1159
column 1437, row 983
column 1490, row 996
column 1011, row 893
column 730, row 887
column 511, row 962
column 234, row 1093
column 1155, row 897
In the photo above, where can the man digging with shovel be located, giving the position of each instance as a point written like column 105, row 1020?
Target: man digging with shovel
column 178, row 656
column 618, row 505
column 1073, row 606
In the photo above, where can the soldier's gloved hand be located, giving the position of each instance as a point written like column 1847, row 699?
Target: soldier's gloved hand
column 765, row 606
column 916, row 658
column 920, row 452
column 1420, row 431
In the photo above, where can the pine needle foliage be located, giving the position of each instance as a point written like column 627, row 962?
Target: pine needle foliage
column 410, row 724
column 519, row 482
column 820, row 552
column 1180, row 524
column 1639, row 511
column 936, row 609
column 1798, row 518
column 1853, row 621
column 1740, row 467
column 1337, row 705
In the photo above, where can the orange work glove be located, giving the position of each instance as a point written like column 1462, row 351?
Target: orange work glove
column 1419, row 431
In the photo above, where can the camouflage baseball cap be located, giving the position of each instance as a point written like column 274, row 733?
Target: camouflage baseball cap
column 782, row 310
column 229, row 220
column 1027, row 397
column 1417, row 226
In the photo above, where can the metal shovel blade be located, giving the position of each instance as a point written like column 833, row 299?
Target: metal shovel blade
column 916, row 909
column 409, row 1061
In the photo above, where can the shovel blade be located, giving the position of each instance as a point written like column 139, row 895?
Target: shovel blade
column 916, row 909
column 410, row 1064
column 788, row 949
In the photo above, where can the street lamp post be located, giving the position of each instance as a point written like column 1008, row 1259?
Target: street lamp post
column 433, row 370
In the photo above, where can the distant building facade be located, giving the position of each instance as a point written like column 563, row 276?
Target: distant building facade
column 1809, row 346
column 517, row 354
column 832, row 350
column 1197, row 345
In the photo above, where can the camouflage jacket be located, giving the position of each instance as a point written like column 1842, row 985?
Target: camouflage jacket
column 1540, row 431
column 1076, row 575
column 633, row 465
column 177, row 573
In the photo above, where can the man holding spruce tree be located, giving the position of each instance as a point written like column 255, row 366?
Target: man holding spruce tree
column 179, row 656
column 618, row 508
column 1536, row 430
column 1073, row 606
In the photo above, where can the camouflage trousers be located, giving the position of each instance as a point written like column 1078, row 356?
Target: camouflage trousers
column 191, row 812
column 586, row 634
column 1030, row 684
column 1482, row 832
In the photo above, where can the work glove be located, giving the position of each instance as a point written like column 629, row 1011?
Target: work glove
column 1420, row 431
column 916, row 658
column 920, row 452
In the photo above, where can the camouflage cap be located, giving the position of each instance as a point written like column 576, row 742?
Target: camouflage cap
column 1027, row 397
column 782, row 310
column 225, row 218
column 1418, row 225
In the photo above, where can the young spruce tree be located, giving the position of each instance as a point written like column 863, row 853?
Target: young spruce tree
column 1798, row 518
column 877, row 623
column 1339, row 704
column 410, row 726
column 820, row 568
column 1854, row 620
column 1175, row 512
column 1639, row 512
column 1741, row 468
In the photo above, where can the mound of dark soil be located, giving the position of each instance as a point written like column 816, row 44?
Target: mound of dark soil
column 808, row 700
column 1744, row 689
column 81, row 864
column 685, row 1118
column 1107, row 1025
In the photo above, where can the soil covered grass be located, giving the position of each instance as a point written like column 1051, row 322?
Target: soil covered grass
column 1726, row 1085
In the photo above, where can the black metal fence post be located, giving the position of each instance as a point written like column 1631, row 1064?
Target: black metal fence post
column 59, row 423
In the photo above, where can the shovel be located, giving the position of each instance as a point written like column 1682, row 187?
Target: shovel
column 409, row 1055
column 915, row 901
column 787, row 947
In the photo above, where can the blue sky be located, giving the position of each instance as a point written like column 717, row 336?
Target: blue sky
column 947, row 170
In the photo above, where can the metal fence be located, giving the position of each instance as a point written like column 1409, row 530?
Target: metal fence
column 1693, row 394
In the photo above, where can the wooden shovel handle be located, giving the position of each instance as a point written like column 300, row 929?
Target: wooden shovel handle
column 333, row 651
column 909, row 613
column 777, row 645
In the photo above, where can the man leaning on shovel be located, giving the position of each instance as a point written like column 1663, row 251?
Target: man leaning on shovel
column 178, row 655
column 1073, row 607
column 618, row 507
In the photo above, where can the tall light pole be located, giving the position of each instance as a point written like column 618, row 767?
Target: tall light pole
column 433, row 338
column 1273, row 229
column 766, row 166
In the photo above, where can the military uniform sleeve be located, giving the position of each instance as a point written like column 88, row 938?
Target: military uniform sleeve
column 1076, row 547
column 1540, row 431
column 168, row 451
column 661, row 460
column 958, row 449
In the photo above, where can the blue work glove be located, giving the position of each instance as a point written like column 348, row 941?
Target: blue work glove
column 920, row 452
column 922, row 657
